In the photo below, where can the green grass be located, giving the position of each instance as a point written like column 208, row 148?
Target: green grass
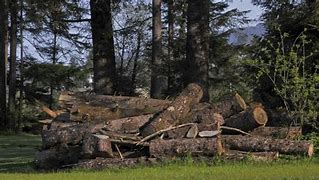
column 17, row 153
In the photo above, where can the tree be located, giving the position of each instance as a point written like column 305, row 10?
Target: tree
column 3, row 59
column 103, row 47
column 13, row 60
column 198, row 44
column 158, row 80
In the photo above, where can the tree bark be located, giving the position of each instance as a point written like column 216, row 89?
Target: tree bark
column 96, row 146
column 261, row 144
column 128, row 124
column 256, row 156
column 248, row 120
column 184, row 147
column 67, row 135
column 58, row 156
column 158, row 81
column 178, row 110
column 3, row 60
column 103, row 47
column 13, row 62
column 278, row 132
column 170, row 47
column 230, row 106
column 198, row 44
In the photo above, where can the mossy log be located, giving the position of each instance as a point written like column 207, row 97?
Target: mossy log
column 248, row 120
column 278, row 132
column 178, row 110
column 261, row 144
column 184, row 147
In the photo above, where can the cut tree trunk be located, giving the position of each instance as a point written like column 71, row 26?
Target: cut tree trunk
column 58, row 156
column 278, row 132
column 203, row 113
column 248, row 120
column 184, row 147
column 178, row 110
column 230, row 106
column 67, row 135
column 128, row 124
column 256, row 156
column 261, row 144
column 96, row 146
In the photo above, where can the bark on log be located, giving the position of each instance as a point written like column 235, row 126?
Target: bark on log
column 230, row 106
column 278, row 132
column 96, row 146
column 256, row 156
column 184, row 147
column 203, row 113
column 178, row 110
column 122, row 102
column 67, row 135
column 248, row 120
column 128, row 124
column 182, row 132
column 261, row 144
column 86, row 112
column 58, row 156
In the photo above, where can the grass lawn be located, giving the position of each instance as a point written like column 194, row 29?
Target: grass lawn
column 17, row 152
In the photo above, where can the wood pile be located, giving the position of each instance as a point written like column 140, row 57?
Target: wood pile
column 96, row 131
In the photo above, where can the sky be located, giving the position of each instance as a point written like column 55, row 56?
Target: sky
column 247, row 5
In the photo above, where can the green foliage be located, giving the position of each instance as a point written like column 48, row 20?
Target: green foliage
column 314, row 138
column 285, row 66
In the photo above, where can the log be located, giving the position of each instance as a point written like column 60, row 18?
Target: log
column 230, row 106
column 96, row 146
column 56, row 157
column 183, row 132
column 86, row 112
column 122, row 102
column 203, row 113
column 248, row 120
column 184, row 147
column 67, row 135
column 278, row 132
column 178, row 110
column 128, row 124
column 261, row 144
column 256, row 156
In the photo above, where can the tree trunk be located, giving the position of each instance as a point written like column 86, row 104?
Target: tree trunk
column 3, row 60
column 278, row 132
column 13, row 62
column 137, row 56
column 67, row 135
column 128, row 124
column 103, row 47
column 248, row 120
column 261, row 144
column 184, row 147
column 231, row 105
column 170, row 48
column 178, row 110
column 96, row 146
column 158, row 81
column 257, row 156
column 21, row 68
column 198, row 44
column 58, row 156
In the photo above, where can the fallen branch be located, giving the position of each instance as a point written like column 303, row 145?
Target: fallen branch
column 118, row 150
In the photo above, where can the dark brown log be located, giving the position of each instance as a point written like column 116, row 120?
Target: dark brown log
column 58, row 156
column 256, row 156
column 120, row 136
column 86, row 112
column 128, row 124
column 278, row 132
column 230, row 106
column 184, row 147
column 122, row 102
column 67, row 135
column 178, row 110
column 248, row 120
column 178, row 133
column 203, row 113
column 96, row 146
column 261, row 144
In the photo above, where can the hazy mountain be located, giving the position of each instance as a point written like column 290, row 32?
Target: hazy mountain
column 246, row 35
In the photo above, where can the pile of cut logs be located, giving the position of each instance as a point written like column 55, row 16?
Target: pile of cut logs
column 95, row 131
